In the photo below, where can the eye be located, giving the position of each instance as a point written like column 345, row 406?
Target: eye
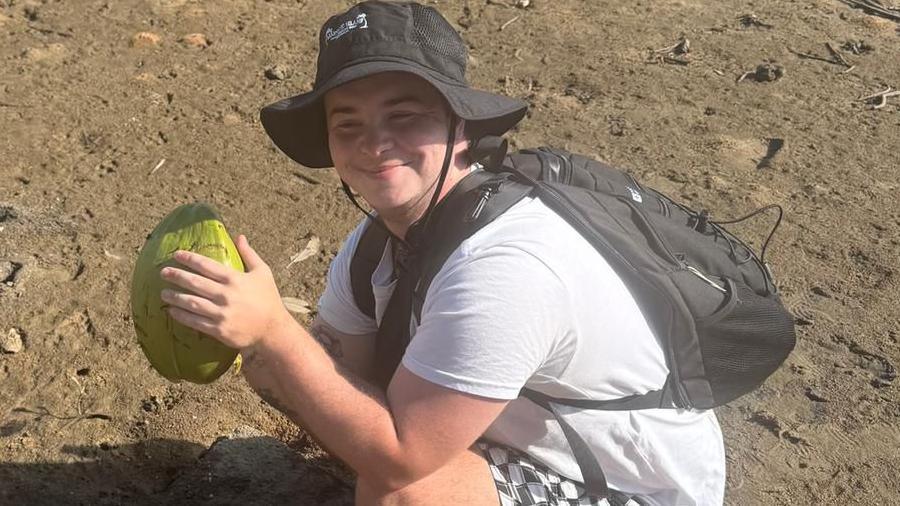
column 402, row 115
column 346, row 125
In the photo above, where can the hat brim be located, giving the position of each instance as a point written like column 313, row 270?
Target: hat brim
column 297, row 124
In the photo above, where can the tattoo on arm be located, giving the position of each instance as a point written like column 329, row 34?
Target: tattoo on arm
column 272, row 400
column 331, row 343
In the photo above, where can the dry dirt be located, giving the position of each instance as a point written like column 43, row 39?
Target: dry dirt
column 96, row 94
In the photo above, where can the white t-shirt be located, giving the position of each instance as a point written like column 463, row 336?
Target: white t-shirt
column 527, row 301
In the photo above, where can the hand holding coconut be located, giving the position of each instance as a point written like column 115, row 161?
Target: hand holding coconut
column 195, row 302
column 237, row 308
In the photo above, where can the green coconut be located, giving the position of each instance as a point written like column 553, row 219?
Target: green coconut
column 176, row 351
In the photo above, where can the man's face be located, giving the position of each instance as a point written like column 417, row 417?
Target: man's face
column 387, row 134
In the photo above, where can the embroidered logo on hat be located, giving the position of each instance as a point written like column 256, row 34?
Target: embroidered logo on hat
column 332, row 34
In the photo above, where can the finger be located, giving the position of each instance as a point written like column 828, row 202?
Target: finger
column 252, row 261
column 191, row 303
column 204, row 265
column 194, row 321
column 195, row 283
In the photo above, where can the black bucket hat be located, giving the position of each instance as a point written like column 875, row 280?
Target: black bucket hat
column 373, row 37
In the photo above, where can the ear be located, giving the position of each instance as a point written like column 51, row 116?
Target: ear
column 461, row 145
column 460, row 129
column 462, row 142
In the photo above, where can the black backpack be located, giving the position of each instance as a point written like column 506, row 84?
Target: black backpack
column 705, row 294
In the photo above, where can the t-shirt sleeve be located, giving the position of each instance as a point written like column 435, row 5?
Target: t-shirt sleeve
column 337, row 306
column 489, row 322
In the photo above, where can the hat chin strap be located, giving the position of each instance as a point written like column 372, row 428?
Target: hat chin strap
column 426, row 217
column 448, row 158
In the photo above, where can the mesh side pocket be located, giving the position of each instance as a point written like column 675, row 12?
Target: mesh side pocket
column 744, row 342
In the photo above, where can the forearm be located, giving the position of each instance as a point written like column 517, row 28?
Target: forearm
column 351, row 418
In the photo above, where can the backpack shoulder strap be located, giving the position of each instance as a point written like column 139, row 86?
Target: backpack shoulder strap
column 485, row 196
column 366, row 257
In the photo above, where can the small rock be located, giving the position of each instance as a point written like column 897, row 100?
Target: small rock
column 231, row 118
column 277, row 73
column 768, row 72
column 7, row 269
column 12, row 342
column 880, row 383
column 32, row 13
column 145, row 39
column 818, row 290
column 249, row 467
column 51, row 53
column 197, row 40
column 813, row 395
column 7, row 213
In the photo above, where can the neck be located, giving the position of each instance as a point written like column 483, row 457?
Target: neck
column 399, row 221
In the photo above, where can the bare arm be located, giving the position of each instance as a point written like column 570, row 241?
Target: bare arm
column 355, row 352
column 390, row 440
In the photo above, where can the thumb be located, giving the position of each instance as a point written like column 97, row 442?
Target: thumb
column 251, row 259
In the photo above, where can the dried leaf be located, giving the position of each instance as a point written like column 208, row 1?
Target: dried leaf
column 311, row 249
column 295, row 305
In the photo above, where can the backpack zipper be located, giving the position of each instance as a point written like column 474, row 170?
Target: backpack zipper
column 487, row 191
column 696, row 272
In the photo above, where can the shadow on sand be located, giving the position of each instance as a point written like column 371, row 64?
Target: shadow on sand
column 239, row 469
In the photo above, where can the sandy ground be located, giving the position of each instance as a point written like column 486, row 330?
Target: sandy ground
column 105, row 131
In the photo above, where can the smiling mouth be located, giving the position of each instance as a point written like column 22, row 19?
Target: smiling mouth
column 381, row 169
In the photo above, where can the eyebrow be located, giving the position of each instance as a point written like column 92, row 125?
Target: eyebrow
column 389, row 102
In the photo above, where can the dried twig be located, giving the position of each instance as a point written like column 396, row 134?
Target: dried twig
column 874, row 95
column 812, row 56
column 748, row 20
column 158, row 165
column 683, row 46
column 873, row 7
column 670, row 54
column 881, row 96
column 49, row 31
column 838, row 56
column 511, row 21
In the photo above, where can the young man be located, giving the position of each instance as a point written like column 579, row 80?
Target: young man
column 391, row 111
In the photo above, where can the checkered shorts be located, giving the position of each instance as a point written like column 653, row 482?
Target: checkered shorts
column 522, row 482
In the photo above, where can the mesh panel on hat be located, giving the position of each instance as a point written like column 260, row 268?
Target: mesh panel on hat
column 432, row 32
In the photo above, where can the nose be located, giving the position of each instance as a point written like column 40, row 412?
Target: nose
column 377, row 140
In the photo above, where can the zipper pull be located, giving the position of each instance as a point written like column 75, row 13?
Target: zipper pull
column 696, row 272
column 487, row 191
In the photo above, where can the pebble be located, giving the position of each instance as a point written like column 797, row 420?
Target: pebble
column 12, row 342
column 7, row 268
column 277, row 73
column 769, row 72
column 145, row 39
column 880, row 383
column 51, row 53
column 814, row 395
column 197, row 40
